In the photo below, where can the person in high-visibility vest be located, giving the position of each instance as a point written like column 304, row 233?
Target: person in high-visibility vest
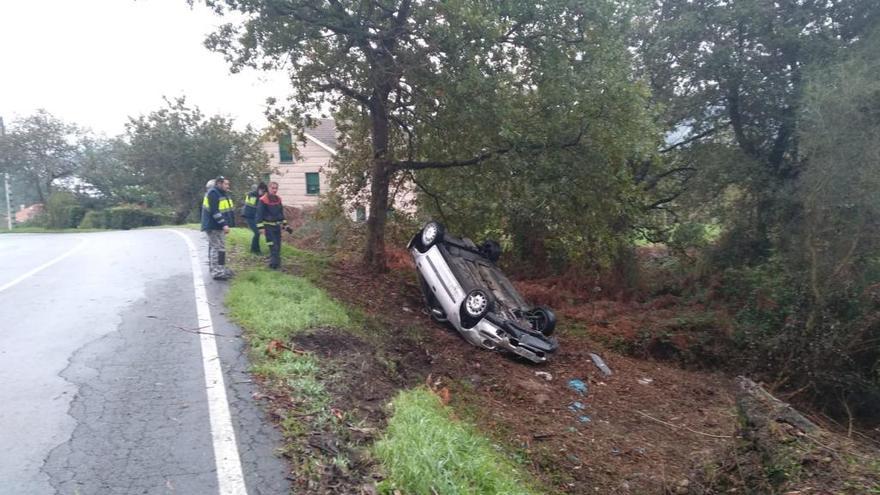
column 249, row 212
column 270, row 219
column 218, row 215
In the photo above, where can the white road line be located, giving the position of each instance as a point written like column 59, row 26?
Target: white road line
column 44, row 266
column 226, row 458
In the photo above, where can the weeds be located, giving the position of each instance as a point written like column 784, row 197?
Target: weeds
column 425, row 451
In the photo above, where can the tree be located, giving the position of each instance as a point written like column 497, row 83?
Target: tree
column 107, row 174
column 731, row 77
column 836, row 237
column 440, row 85
column 177, row 149
column 38, row 150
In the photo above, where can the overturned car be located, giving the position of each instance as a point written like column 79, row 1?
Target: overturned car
column 462, row 286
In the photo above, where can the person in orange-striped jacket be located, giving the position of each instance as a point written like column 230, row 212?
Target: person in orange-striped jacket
column 270, row 221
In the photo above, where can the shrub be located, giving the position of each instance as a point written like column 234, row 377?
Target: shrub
column 95, row 219
column 63, row 211
column 127, row 217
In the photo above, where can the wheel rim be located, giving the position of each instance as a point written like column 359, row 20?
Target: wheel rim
column 476, row 304
column 429, row 233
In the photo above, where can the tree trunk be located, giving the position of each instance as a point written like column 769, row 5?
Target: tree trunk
column 374, row 255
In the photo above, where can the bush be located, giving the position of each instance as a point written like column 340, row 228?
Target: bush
column 127, row 217
column 825, row 350
column 63, row 211
column 95, row 219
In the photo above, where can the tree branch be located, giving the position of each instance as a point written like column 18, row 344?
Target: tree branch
column 691, row 139
column 431, row 195
column 345, row 90
column 652, row 183
column 483, row 156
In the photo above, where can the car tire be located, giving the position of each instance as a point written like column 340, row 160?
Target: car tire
column 543, row 320
column 474, row 307
column 431, row 234
column 491, row 250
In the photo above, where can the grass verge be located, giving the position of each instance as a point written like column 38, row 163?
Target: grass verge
column 425, row 451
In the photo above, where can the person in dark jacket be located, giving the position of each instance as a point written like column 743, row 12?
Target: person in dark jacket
column 249, row 212
column 218, row 215
column 270, row 219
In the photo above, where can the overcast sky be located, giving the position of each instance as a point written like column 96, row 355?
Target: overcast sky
column 96, row 62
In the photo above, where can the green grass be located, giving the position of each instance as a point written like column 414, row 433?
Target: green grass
column 425, row 451
column 271, row 306
column 308, row 264
column 275, row 306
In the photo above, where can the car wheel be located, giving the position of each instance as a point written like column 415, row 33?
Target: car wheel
column 476, row 304
column 543, row 320
column 431, row 234
column 491, row 250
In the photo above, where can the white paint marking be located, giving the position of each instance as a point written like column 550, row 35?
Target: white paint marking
column 44, row 266
column 229, row 475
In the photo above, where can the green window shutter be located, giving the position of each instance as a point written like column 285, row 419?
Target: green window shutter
column 313, row 183
column 285, row 148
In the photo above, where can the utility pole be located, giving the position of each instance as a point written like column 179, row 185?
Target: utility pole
column 8, row 207
column 6, row 183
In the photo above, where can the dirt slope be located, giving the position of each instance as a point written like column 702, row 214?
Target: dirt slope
column 641, row 430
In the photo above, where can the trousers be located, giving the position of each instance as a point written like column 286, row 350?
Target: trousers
column 273, row 240
column 217, row 253
column 255, row 240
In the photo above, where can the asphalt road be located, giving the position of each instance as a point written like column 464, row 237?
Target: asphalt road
column 103, row 379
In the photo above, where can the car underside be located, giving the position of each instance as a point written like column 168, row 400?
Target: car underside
column 463, row 286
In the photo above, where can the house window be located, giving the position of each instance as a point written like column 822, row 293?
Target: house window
column 360, row 214
column 285, row 148
column 313, row 183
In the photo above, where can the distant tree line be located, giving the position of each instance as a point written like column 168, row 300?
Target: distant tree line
column 161, row 162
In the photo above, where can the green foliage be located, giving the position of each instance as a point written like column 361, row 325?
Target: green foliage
column 773, row 106
column 63, row 211
column 535, row 100
column 37, row 151
column 95, row 219
column 177, row 149
column 425, row 451
column 731, row 75
column 110, row 174
column 131, row 217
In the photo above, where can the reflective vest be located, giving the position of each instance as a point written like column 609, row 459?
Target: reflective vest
column 222, row 214
column 223, row 206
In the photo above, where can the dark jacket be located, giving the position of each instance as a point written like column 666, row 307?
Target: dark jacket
column 270, row 211
column 217, row 210
column 250, row 205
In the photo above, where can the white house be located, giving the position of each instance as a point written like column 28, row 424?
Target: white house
column 302, row 180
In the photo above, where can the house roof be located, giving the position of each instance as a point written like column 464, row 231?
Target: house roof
column 325, row 132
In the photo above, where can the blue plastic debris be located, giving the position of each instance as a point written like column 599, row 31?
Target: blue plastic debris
column 584, row 419
column 576, row 406
column 578, row 386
